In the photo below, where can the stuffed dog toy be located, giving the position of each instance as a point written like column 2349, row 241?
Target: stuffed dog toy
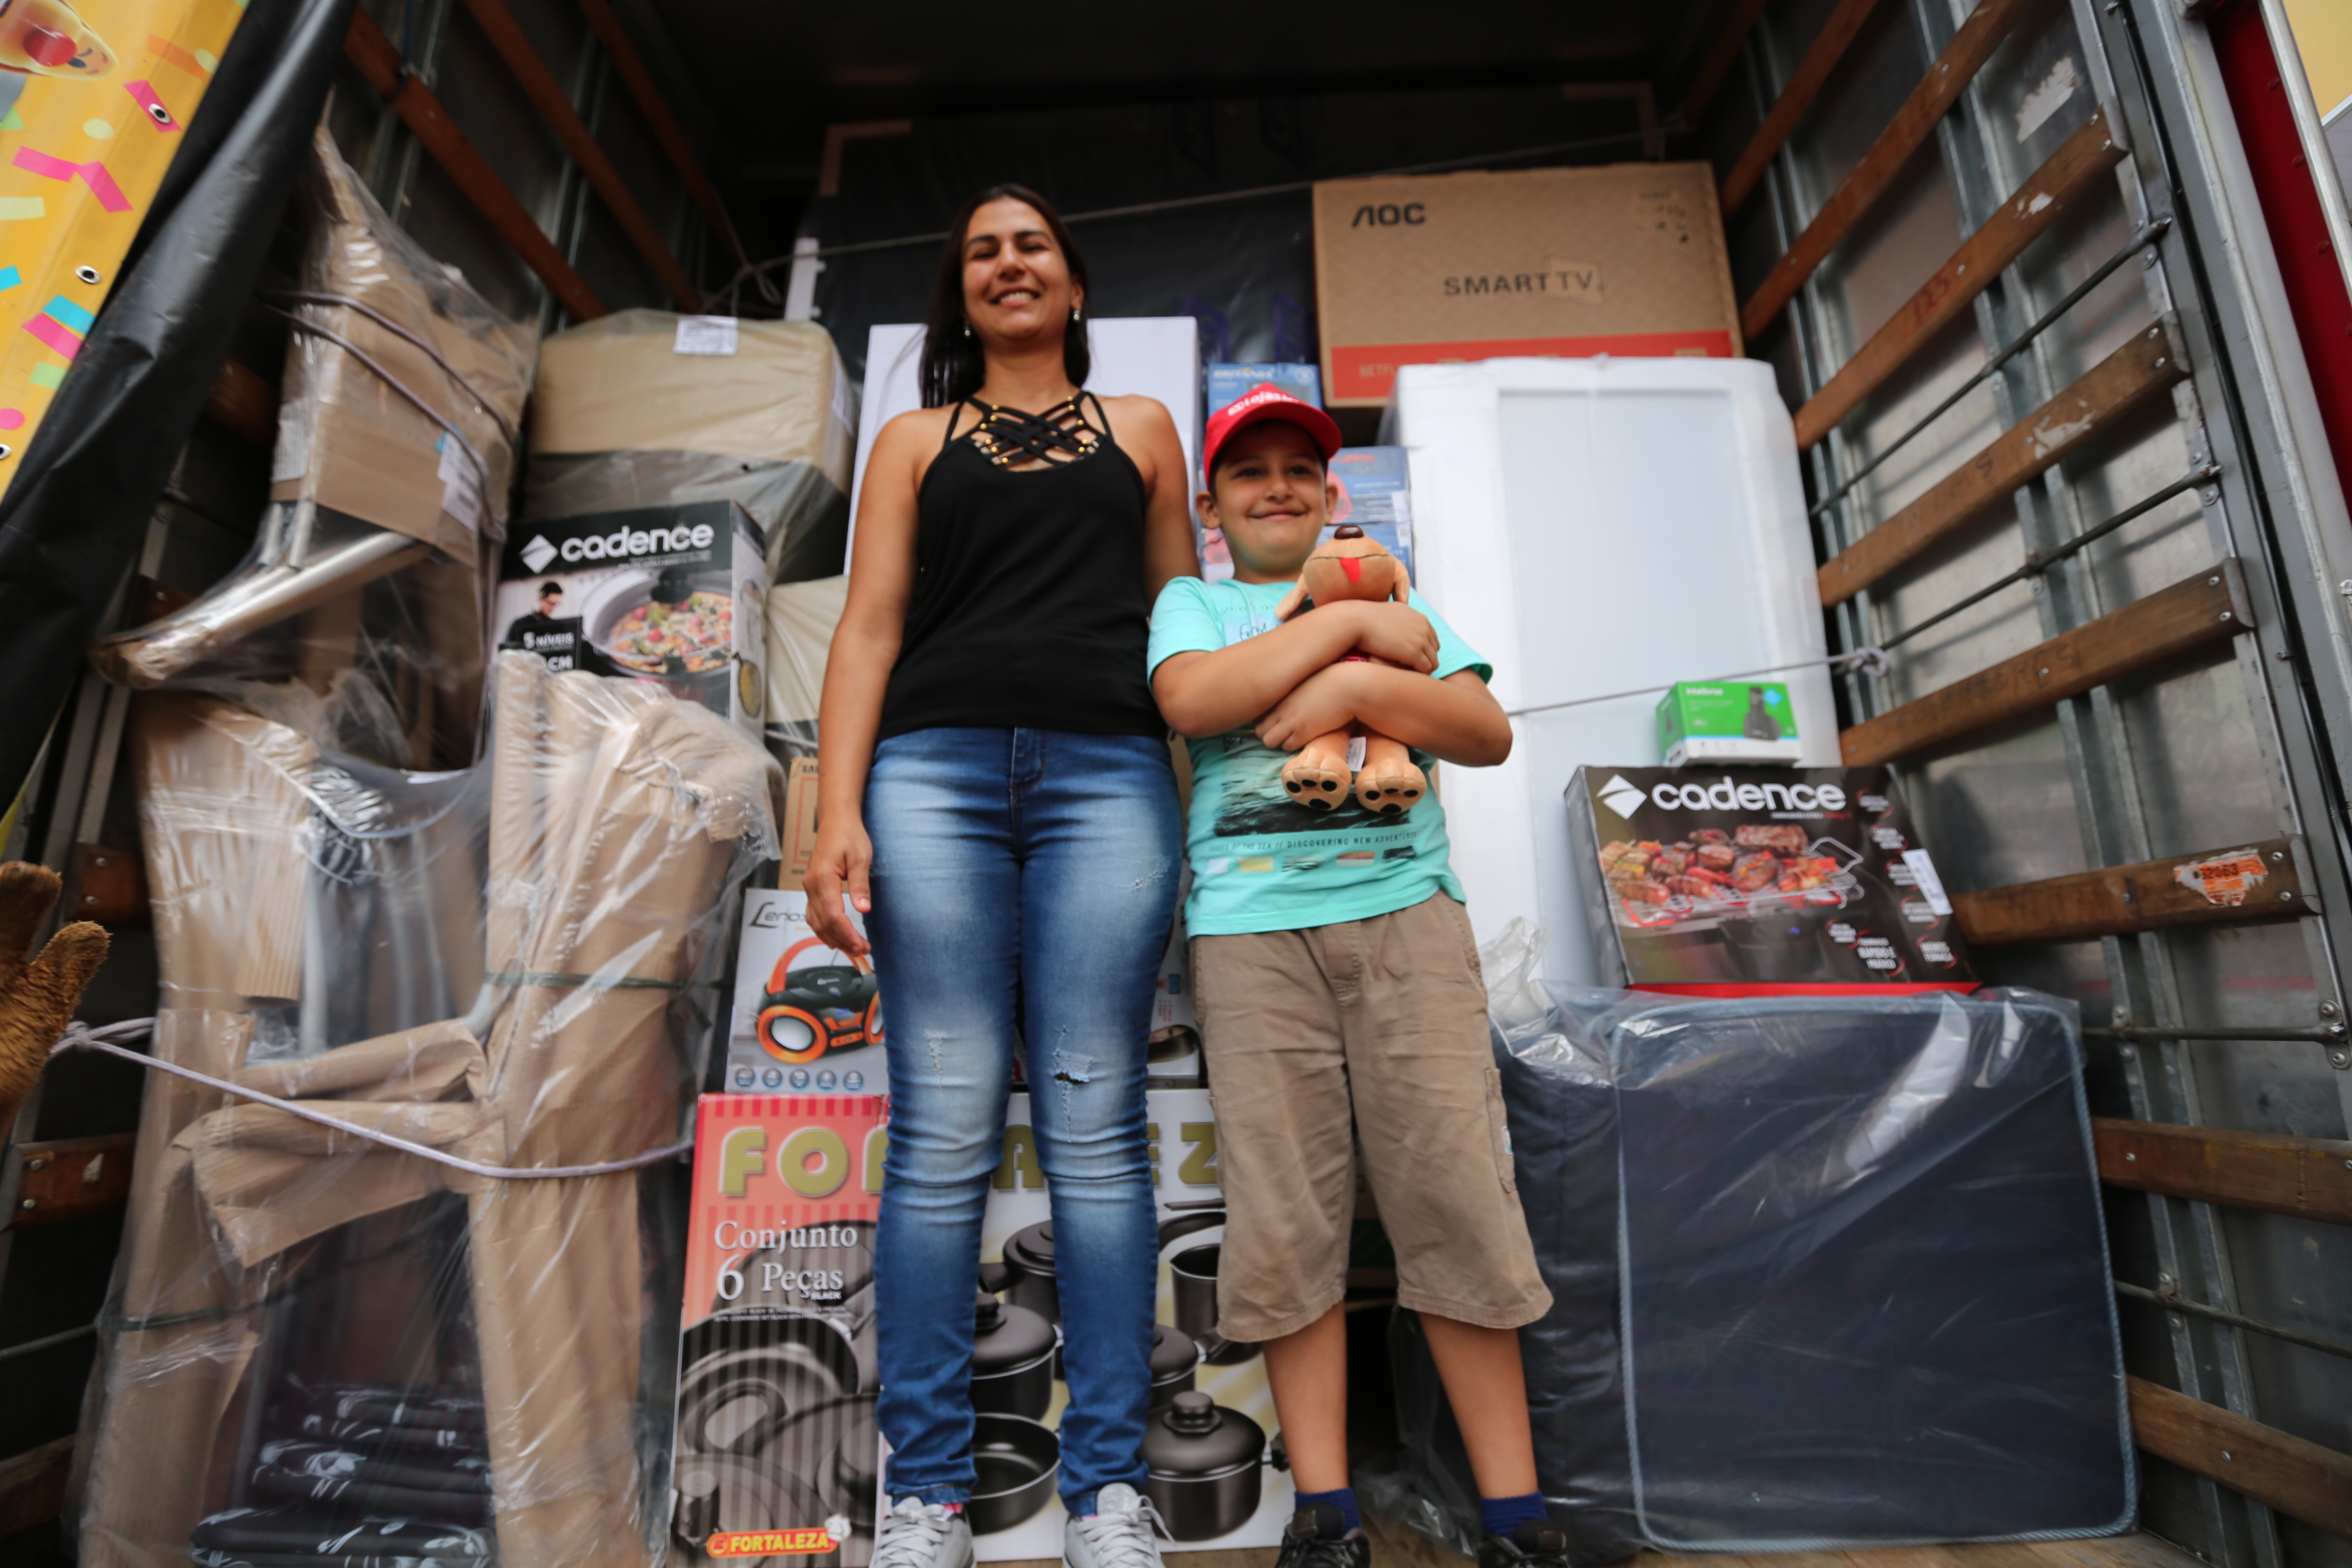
column 1349, row 566
column 37, row 995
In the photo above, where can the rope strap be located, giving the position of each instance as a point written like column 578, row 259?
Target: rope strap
column 1870, row 660
column 80, row 1036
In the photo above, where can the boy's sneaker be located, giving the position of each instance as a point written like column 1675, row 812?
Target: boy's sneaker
column 1119, row 1533
column 1318, row 1537
column 918, row 1534
column 1537, row 1543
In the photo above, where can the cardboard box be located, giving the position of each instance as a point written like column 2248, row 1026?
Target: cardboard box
column 1228, row 382
column 1804, row 882
column 1551, row 263
column 1183, row 1154
column 669, row 594
column 1700, row 722
column 779, row 1456
column 807, row 1019
column 800, row 823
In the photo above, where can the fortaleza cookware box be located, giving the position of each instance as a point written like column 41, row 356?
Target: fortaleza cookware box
column 1550, row 263
column 1716, row 882
column 778, row 1456
column 671, row 595
column 1209, row 1444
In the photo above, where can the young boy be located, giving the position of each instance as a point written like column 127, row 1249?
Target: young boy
column 1337, row 988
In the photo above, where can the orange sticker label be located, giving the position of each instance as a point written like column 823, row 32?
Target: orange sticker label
column 2224, row 879
column 767, row 1543
column 1369, row 370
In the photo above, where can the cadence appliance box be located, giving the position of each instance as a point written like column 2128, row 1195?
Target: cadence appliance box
column 1711, row 882
column 1626, row 259
column 671, row 595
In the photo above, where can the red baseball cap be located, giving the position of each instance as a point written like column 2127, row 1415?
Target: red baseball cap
column 1260, row 403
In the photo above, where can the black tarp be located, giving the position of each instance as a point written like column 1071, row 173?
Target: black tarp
column 73, row 521
column 1827, row 1272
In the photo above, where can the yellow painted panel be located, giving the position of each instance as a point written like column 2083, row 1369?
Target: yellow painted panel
column 94, row 96
column 2323, row 37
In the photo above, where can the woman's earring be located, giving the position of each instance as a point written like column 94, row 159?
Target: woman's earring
column 1074, row 314
column 967, row 328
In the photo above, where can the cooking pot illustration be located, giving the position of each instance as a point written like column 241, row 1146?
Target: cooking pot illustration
column 672, row 625
column 1012, row 1360
column 1014, row 1462
column 1205, row 1467
column 809, row 1008
column 1175, row 1365
column 772, row 1431
column 1192, row 1274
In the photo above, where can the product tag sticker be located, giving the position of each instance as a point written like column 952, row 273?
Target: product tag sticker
column 1355, row 754
column 2224, row 879
column 705, row 335
column 1931, row 887
column 461, row 483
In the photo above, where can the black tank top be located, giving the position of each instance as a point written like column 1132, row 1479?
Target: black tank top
column 1029, row 606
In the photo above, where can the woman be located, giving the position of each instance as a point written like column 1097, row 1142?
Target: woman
column 995, row 798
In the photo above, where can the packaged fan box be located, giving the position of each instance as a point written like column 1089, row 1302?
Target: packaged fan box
column 1709, row 882
column 1703, row 722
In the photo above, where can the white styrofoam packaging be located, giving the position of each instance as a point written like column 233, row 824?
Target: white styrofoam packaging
column 1595, row 526
column 1157, row 356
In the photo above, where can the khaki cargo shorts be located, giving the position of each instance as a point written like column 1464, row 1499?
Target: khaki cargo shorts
column 1385, row 1019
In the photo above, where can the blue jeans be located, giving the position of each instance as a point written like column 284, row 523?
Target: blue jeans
column 1027, row 872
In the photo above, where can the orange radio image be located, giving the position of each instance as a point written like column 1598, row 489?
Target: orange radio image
column 805, row 1012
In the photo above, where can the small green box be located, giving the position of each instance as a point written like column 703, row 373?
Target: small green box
column 1727, row 722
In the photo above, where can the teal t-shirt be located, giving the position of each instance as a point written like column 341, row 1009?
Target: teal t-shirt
column 1261, row 861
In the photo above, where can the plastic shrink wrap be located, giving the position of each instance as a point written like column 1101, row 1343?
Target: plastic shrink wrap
column 321, row 1350
column 641, row 408
column 1854, row 1249
column 396, row 442
column 1562, row 1113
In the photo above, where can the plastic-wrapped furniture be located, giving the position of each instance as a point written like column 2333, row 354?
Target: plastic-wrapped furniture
column 395, row 453
column 1827, row 1272
column 310, row 1330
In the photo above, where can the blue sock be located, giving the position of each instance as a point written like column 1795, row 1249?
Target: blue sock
column 1501, row 1515
column 1344, row 1499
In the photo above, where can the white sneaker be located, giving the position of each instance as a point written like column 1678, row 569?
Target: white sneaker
column 1119, row 1533
column 918, row 1534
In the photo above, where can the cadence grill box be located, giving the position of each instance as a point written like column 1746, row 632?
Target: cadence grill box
column 672, row 595
column 1549, row 263
column 1714, row 883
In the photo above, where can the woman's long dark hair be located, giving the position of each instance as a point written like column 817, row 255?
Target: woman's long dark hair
column 953, row 365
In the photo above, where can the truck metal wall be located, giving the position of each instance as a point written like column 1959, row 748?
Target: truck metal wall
column 2239, row 744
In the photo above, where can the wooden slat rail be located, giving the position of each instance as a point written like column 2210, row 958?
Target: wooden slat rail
column 554, row 106
column 2045, row 197
column 2120, row 899
column 378, row 59
column 2276, row 1468
column 111, row 885
column 2309, row 1178
column 664, row 125
column 1803, row 86
column 2105, row 393
column 67, row 1178
column 2204, row 608
column 1717, row 65
column 1873, row 175
column 32, row 1485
